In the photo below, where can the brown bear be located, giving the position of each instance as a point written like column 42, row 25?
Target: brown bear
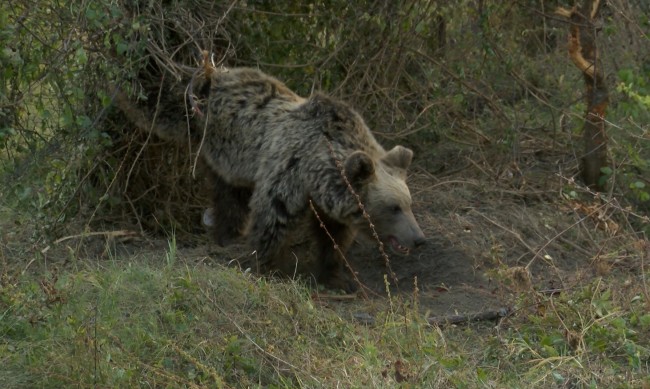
column 273, row 152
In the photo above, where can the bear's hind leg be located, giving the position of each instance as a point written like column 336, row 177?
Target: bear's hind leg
column 228, row 216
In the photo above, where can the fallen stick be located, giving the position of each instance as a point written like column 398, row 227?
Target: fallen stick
column 365, row 318
column 462, row 319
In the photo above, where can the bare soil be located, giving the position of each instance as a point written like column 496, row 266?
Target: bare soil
column 494, row 230
column 487, row 241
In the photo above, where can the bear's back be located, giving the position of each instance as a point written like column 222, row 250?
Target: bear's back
column 254, row 108
column 341, row 125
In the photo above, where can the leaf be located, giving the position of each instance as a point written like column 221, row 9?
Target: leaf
column 550, row 351
column 121, row 48
column 606, row 170
column 81, row 56
column 619, row 323
column 644, row 321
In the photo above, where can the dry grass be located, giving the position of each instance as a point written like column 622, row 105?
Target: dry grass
column 183, row 321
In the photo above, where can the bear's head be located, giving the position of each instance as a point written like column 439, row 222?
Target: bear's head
column 381, row 185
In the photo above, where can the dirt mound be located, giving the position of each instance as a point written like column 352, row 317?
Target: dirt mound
column 485, row 244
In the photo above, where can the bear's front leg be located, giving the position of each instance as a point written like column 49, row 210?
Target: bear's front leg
column 334, row 241
column 334, row 198
column 275, row 207
column 337, row 192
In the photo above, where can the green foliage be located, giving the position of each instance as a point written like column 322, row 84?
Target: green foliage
column 54, row 63
column 637, row 89
column 578, row 328
column 634, row 150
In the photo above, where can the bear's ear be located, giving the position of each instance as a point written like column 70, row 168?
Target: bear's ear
column 399, row 157
column 359, row 167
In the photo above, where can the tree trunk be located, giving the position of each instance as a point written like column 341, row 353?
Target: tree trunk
column 584, row 54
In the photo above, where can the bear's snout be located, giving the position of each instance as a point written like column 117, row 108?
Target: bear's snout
column 420, row 241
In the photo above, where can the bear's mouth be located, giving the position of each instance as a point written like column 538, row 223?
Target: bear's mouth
column 397, row 247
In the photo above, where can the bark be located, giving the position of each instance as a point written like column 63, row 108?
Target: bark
column 584, row 54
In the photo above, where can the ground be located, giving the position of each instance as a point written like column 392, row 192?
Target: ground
column 118, row 307
column 489, row 238
column 450, row 277
column 483, row 220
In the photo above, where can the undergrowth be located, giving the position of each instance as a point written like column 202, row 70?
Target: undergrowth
column 161, row 320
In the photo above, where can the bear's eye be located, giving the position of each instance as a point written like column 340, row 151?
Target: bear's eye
column 396, row 208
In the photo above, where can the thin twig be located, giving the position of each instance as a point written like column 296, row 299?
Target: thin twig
column 366, row 216
column 338, row 250
column 151, row 130
column 565, row 230
column 108, row 234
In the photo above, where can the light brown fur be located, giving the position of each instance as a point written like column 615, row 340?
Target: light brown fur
column 260, row 135
column 272, row 152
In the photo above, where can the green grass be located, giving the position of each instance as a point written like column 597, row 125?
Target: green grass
column 161, row 321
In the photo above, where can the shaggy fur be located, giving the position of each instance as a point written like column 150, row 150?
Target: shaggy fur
column 265, row 142
column 271, row 152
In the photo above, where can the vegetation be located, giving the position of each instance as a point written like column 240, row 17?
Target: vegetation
column 135, row 320
column 106, row 279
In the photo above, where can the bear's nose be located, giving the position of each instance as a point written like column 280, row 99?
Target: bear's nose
column 419, row 242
